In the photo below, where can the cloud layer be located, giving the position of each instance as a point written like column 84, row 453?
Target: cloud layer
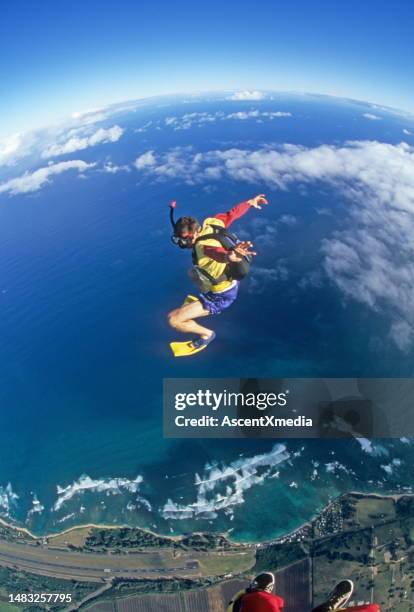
column 248, row 95
column 77, row 142
column 33, row 181
column 189, row 120
column 371, row 117
column 15, row 146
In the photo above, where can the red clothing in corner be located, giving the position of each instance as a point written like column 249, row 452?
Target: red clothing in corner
column 260, row 601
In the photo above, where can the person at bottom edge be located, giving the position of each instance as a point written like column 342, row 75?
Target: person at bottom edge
column 259, row 597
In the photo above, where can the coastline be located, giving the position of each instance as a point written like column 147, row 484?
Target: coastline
column 175, row 538
column 352, row 529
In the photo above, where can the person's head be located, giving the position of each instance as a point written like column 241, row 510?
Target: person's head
column 264, row 582
column 186, row 230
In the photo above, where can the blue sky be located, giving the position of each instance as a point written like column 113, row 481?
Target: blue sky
column 57, row 58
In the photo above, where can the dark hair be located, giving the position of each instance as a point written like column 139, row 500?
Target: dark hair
column 186, row 225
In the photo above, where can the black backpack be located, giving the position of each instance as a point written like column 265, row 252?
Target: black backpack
column 233, row 270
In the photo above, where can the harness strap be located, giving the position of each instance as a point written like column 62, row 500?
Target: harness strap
column 218, row 233
column 231, row 271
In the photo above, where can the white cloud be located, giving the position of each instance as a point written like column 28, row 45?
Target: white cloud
column 277, row 114
column 146, row 160
column 189, row 120
column 78, row 143
column 33, row 181
column 288, row 220
column 262, row 278
column 266, row 232
column 371, row 117
column 87, row 114
column 9, row 146
column 248, row 95
column 372, row 260
column 327, row 212
column 145, row 127
column 243, row 115
column 112, row 168
column 16, row 146
column 407, row 132
column 255, row 114
column 403, row 334
column 73, row 135
column 95, row 115
column 173, row 164
column 385, row 169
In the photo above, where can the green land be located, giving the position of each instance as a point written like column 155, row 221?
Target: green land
column 368, row 538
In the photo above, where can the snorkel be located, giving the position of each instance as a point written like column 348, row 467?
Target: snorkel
column 184, row 242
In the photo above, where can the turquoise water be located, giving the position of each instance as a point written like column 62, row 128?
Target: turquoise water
column 88, row 274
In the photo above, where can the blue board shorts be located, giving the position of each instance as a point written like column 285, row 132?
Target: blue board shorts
column 215, row 303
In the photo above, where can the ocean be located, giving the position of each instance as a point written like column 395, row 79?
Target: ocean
column 88, row 274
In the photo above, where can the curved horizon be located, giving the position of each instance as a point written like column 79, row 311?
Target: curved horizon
column 91, row 109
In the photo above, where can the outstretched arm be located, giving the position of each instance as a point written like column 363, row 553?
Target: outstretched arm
column 241, row 209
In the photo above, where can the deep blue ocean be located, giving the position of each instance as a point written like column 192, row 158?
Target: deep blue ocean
column 87, row 276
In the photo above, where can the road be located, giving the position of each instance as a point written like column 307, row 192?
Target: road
column 94, row 567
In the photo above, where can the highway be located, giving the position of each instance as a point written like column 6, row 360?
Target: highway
column 64, row 564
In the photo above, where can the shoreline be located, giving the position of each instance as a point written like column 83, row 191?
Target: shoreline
column 308, row 523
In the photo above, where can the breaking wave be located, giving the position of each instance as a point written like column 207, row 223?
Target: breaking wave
column 110, row 486
column 222, row 487
column 37, row 507
column 8, row 499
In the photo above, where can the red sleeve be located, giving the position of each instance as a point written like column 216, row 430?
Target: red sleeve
column 217, row 253
column 234, row 213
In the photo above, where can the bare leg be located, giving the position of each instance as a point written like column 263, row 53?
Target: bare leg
column 182, row 319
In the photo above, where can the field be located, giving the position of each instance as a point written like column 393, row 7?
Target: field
column 379, row 558
column 292, row 583
column 7, row 607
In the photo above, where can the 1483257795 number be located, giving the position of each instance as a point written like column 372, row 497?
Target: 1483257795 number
column 40, row 597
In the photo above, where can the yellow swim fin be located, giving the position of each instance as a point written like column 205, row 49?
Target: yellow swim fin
column 185, row 349
column 191, row 347
column 189, row 299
